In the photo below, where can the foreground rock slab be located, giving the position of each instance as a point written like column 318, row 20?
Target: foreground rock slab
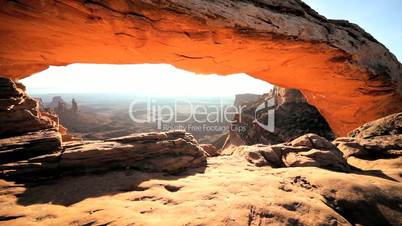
column 156, row 152
column 29, row 145
column 376, row 145
column 229, row 191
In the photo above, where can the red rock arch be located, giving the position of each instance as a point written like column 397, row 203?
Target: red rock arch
column 349, row 76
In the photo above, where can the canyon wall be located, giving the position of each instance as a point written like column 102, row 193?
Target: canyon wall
column 19, row 113
column 342, row 70
column 294, row 117
column 24, row 130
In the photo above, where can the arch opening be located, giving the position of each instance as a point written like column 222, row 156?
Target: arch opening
column 99, row 102
column 170, row 177
column 342, row 70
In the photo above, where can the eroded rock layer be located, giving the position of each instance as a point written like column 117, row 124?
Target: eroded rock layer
column 376, row 145
column 18, row 112
column 29, row 145
column 25, row 131
column 341, row 69
column 155, row 152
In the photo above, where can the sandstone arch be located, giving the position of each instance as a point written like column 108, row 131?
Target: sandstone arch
column 341, row 69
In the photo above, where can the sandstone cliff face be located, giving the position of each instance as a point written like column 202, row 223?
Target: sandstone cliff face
column 25, row 131
column 241, row 99
column 376, row 145
column 341, row 69
column 294, row 117
column 18, row 112
column 288, row 96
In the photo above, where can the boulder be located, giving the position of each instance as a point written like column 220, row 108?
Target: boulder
column 315, row 157
column 315, row 151
column 373, row 148
column 305, row 151
column 259, row 155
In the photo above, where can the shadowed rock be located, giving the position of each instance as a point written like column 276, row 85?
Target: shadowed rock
column 169, row 152
column 29, row 145
column 293, row 117
column 19, row 113
column 24, row 131
column 307, row 150
column 381, row 138
column 376, row 145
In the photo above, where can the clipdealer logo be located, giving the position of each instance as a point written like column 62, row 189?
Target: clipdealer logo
column 198, row 117
column 269, row 106
column 171, row 116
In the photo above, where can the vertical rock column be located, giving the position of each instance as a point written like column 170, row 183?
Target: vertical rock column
column 24, row 132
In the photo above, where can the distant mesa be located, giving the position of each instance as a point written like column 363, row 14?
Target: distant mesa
column 242, row 99
column 56, row 100
column 62, row 109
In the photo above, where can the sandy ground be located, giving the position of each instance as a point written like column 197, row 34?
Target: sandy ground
column 229, row 191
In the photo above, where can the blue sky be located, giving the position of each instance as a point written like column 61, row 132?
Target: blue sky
column 380, row 18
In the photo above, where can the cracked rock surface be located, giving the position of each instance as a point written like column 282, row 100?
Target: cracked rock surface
column 19, row 113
